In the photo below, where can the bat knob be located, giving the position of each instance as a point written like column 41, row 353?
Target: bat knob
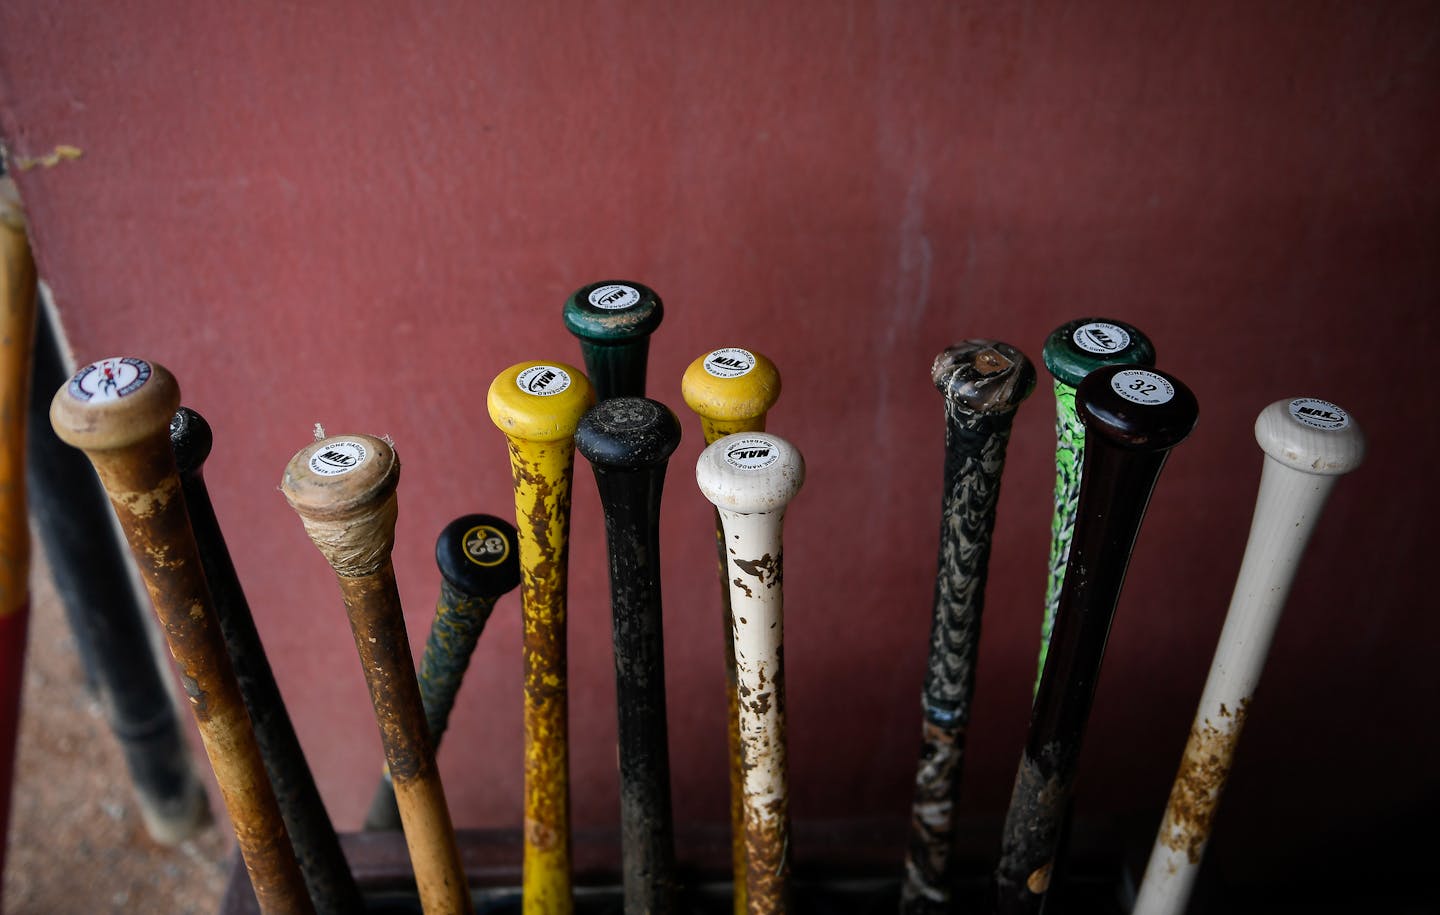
column 539, row 401
column 479, row 555
column 1311, row 435
column 1139, row 409
column 613, row 312
column 342, row 487
column 731, row 385
column 190, row 439
column 1077, row 348
column 983, row 376
column 628, row 433
column 115, row 403
column 750, row 472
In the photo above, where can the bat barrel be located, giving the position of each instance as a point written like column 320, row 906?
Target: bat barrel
column 983, row 383
column 751, row 478
column 613, row 320
column 628, row 442
column 344, row 490
column 1072, row 351
column 1132, row 417
column 732, row 390
column 538, row 405
column 1308, row 444
column 118, row 411
column 327, row 875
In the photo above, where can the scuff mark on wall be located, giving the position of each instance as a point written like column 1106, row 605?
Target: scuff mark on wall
column 61, row 153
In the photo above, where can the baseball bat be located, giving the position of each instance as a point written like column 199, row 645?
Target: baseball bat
column 91, row 572
column 118, row 412
column 983, row 383
column 479, row 562
column 628, row 442
column 613, row 321
column 1072, row 351
column 751, row 478
column 17, row 329
column 343, row 489
column 1308, row 444
column 537, row 405
column 327, row 875
column 1132, row 417
column 732, row 390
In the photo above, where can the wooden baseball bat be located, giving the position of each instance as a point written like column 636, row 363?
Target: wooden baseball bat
column 17, row 329
column 343, row 489
column 538, row 405
column 1308, row 444
column 983, row 383
column 731, row 390
column 1132, row 417
column 479, row 561
column 613, row 320
column 1072, row 351
column 327, row 875
column 751, row 478
column 91, row 573
column 628, row 442
column 118, row 412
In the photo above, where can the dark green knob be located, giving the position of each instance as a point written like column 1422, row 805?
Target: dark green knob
column 191, row 439
column 1079, row 347
column 613, row 320
column 479, row 555
column 1137, row 409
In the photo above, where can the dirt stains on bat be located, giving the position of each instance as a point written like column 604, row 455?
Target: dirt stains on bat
column 767, row 570
column 1209, row 753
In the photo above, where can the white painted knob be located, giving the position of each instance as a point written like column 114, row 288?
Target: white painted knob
column 1310, row 435
column 750, row 472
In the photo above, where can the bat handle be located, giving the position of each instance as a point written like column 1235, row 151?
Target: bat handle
column 1072, row 351
column 344, row 490
column 983, row 383
column 628, row 441
column 1308, row 444
column 1133, row 417
column 613, row 320
column 327, row 874
column 732, row 390
column 751, row 479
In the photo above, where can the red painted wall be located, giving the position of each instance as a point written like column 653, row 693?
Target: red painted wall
column 357, row 214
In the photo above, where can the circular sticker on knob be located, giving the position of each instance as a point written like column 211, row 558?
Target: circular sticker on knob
column 614, row 297
column 1142, row 387
column 543, row 380
column 751, row 453
column 1101, row 338
column 1319, row 414
column 109, row 379
column 485, row 545
column 337, row 458
column 731, row 362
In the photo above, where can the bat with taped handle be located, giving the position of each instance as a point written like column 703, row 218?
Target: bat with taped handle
column 479, row 561
column 537, row 405
column 732, row 390
column 344, row 490
column 118, row 412
column 317, row 848
column 983, row 383
column 1072, row 351
column 1308, row 444
column 1132, row 417
column 613, row 320
column 628, row 442
column 751, row 478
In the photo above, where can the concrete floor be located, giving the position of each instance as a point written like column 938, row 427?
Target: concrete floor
column 76, row 842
